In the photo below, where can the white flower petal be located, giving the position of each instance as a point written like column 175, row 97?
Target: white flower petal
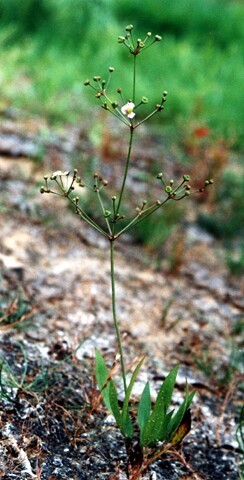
column 127, row 109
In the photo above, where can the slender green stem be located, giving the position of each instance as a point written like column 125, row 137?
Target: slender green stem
column 146, row 118
column 134, row 81
column 86, row 217
column 103, row 210
column 126, row 170
column 146, row 213
column 114, row 314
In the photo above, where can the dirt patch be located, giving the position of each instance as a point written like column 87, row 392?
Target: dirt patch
column 60, row 269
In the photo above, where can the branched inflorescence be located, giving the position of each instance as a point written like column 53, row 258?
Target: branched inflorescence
column 125, row 109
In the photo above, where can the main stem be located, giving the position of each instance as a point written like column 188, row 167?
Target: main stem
column 126, row 170
column 116, row 325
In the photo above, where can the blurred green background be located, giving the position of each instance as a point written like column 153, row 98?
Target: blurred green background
column 49, row 47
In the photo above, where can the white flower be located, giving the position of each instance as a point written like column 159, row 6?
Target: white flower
column 127, row 109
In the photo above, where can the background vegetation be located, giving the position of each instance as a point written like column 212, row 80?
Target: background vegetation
column 49, row 47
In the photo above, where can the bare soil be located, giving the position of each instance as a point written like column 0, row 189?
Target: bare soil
column 57, row 269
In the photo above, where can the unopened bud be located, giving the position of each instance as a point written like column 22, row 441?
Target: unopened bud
column 186, row 178
column 206, row 183
column 158, row 202
column 111, row 69
column 42, row 190
column 96, row 79
column 107, row 214
column 144, row 100
column 158, row 38
column 159, row 175
column 149, row 34
column 87, row 82
column 121, row 39
column 128, row 28
column 119, row 90
column 114, row 104
column 168, row 189
column 211, row 181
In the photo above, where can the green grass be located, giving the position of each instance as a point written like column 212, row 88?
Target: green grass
column 49, row 53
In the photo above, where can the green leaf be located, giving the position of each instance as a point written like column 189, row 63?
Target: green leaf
column 164, row 430
column 127, row 429
column 144, row 408
column 167, row 388
column 150, row 434
column 102, row 375
column 157, row 425
column 113, row 398
column 129, row 390
column 177, row 419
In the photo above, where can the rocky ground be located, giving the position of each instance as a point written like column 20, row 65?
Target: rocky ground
column 55, row 310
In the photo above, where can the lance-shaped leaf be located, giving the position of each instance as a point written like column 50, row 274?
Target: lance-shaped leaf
column 144, row 408
column 177, row 418
column 166, row 390
column 102, row 377
column 159, row 419
column 113, row 399
column 128, row 393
